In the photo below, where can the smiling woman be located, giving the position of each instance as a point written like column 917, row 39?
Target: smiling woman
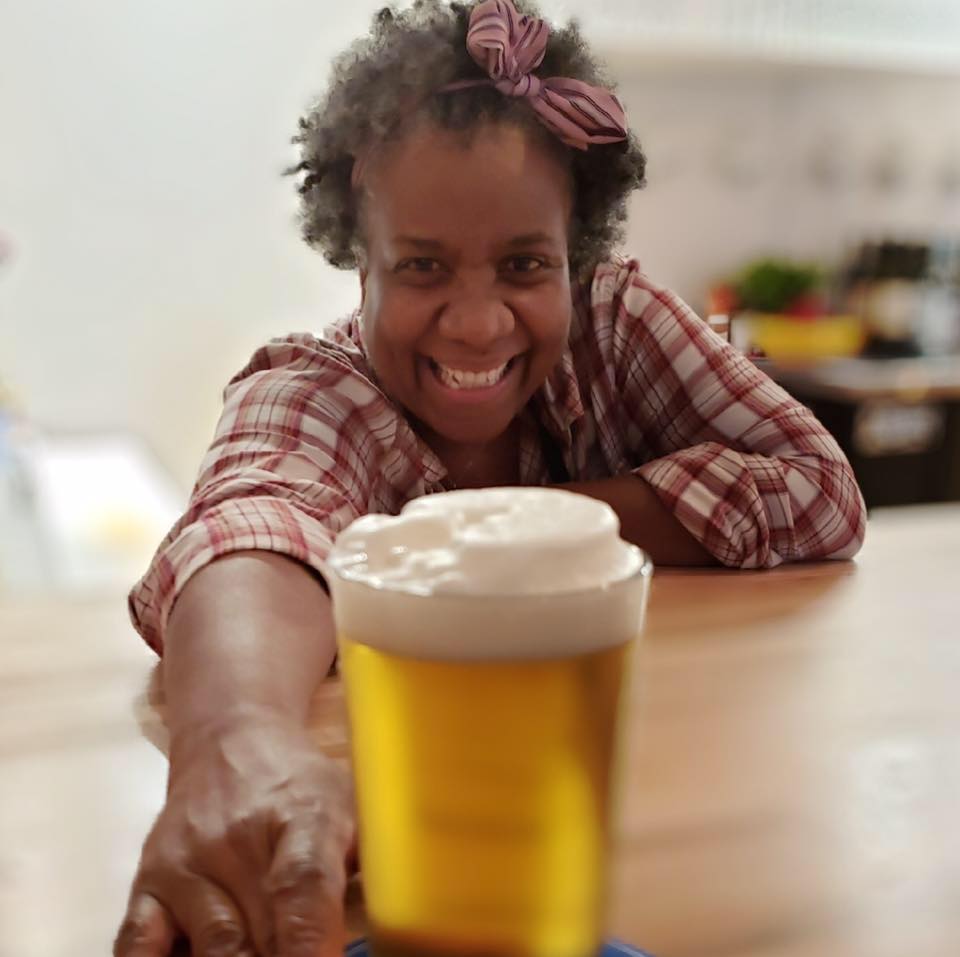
column 473, row 168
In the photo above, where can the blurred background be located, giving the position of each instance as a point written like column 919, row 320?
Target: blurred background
column 804, row 183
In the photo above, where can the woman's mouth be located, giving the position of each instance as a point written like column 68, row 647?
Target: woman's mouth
column 473, row 386
column 466, row 379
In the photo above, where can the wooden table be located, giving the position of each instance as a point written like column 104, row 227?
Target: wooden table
column 792, row 786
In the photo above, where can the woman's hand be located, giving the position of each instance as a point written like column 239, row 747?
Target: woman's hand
column 248, row 855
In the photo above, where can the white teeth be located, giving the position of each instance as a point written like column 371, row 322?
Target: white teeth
column 461, row 379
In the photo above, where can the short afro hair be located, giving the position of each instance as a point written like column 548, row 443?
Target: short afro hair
column 400, row 68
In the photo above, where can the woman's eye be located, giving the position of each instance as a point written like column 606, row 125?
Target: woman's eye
column 525, row 264
column 419, row 264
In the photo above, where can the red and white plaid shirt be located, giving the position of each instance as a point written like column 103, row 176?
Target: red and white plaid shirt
column 307, row 442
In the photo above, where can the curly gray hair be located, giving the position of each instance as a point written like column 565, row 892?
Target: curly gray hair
column 407, row 58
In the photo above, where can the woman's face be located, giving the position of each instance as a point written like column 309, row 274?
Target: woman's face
column 466, row 290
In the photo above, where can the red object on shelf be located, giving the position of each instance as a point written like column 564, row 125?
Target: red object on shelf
column 722, row 300
column 811, row 305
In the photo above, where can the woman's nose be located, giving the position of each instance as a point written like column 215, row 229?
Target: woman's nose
column 477, row 321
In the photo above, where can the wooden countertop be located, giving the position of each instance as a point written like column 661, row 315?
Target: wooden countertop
column 792, row 787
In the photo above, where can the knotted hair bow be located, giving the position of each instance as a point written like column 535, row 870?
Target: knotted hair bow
column 509, row 47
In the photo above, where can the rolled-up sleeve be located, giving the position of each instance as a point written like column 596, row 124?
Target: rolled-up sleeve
column 289, row 467
column 747, row 470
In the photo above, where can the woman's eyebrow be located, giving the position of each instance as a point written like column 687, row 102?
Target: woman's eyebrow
column 436, row 245
column 531, row 239
column 420, row 242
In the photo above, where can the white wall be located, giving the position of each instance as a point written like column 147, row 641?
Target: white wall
column 141, row 149
column 155, row 246
column 749, row 158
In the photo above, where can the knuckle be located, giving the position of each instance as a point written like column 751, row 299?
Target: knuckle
column 221, row 937
column 162, row 876
column 302, row 936
column 242, row 833
column 201, row 837
column 133, row 933
column 333, row 828
column 162, row 854
column 296, row 873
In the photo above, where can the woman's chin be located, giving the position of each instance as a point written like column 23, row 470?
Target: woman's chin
column 465, row 435
column 452, row 429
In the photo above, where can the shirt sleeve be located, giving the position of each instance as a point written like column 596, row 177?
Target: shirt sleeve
column 747, row 469
column 287, row 469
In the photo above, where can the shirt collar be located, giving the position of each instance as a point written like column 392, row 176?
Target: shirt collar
column 432, row 469
column 559, row 399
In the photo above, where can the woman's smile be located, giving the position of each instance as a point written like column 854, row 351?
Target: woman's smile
column 459, row 384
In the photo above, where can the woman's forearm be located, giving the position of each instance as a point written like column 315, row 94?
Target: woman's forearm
column 251, row 633
column 646, row 521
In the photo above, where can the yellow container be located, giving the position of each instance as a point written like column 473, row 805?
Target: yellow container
column 791, row 339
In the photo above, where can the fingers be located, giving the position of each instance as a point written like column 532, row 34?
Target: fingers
column 306, row 885
column 147, row 929
column 208, row 916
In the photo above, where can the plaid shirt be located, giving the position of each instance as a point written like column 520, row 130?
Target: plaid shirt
column 307, row 442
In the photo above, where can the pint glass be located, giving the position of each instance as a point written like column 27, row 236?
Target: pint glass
column 484, row 732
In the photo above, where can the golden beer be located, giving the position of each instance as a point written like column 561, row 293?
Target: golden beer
column 483, row 793
column 483, row 730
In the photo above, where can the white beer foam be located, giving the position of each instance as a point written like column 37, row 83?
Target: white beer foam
column 502, row 541
column 511, row 571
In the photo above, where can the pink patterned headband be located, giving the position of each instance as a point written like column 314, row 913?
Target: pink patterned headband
column 510, row 47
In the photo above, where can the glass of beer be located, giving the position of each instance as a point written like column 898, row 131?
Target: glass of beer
column 484, row 639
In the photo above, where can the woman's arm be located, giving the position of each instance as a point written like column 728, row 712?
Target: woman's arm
column 646, row 521
column 747, row 470
column 249, row 850
column 251, row 633
column 248, row 854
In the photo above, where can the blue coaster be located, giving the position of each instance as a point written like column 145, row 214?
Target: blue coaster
column 612, row 948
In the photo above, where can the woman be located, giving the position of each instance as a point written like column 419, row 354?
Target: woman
column 475, row 171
